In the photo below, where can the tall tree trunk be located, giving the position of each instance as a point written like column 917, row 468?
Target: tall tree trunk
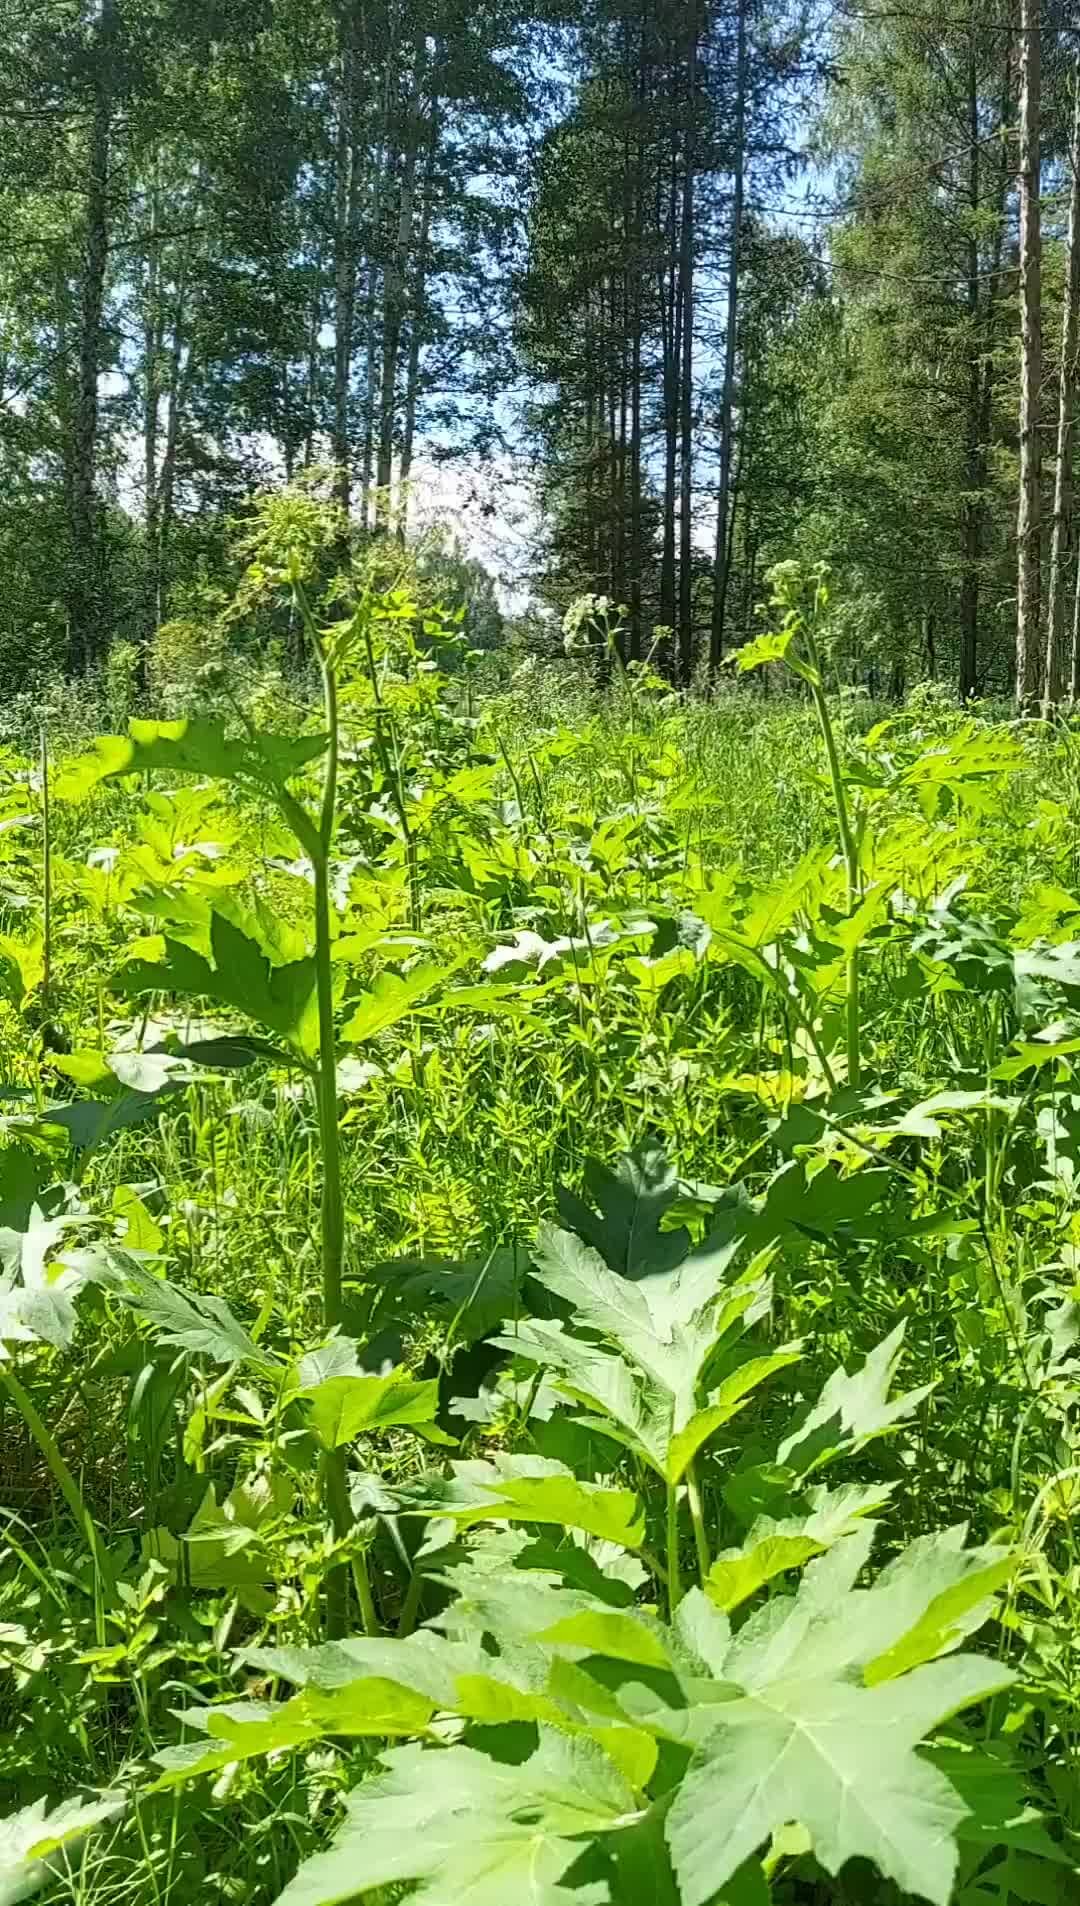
column 153, row 334
column 85, row 605
column 974, row 456
column 686, row 389
column 379, row 169
column 416, row 302
column 636, row 551
column 671, row 325
column 1028, row 513
column 611, row 358
column 394, row 287
column 988, row 367
column 181, row 376
column 345, row 187
column 1062, row 528
column 721, row 570
column 311, row 381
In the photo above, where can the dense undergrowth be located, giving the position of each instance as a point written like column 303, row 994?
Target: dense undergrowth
column 539, row 1308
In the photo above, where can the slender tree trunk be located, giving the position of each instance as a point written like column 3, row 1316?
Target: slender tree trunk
column 624, row 562
column 85, row 605
column 394, row 287
column 153, row 327
column 181, row 376
column 721, row 570
column 1028, row 514
column 671, row 305
column 611, row 358
column 311, row 382
column 379, row 169
column 1074, row 685
column 64, row 405
column 686, row 392
column 1062, row 527
column 345, row 186
column 740, row 481
column 974, row 456
column 419, row 288
column 636, row 551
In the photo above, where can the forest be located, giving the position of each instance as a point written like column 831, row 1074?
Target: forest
column 539, row 953
column 656, row 298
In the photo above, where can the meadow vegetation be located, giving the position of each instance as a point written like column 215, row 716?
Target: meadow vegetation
column 539, row 1292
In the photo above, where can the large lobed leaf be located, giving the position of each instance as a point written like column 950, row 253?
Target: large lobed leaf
column 282, row 998
column 643, row 1353
column 520, row 1488
column 813, row 1712
column 191, row 746
column 31, row 1840
column 473, row 1831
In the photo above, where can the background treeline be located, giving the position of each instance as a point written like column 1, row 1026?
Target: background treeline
column 728, row 280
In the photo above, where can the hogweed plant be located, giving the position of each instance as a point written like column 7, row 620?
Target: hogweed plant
column 604, row 1562
column 570, row 1721
column 207, row 955
column 800, row 602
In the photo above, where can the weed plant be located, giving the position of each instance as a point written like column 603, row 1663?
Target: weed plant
column 539, row 1308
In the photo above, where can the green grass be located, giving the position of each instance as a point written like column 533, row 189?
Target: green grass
column 679, row 864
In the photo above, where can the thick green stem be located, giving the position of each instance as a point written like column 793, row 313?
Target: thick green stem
column 46, row 877
column 333, row 1210
column 850, row 853
column 674, row 1584
column 697, row 1517
column 332, row 1219
column 364, row 1596
column 410, row 1607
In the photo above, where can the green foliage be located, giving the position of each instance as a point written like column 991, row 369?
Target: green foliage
column 699, row 1529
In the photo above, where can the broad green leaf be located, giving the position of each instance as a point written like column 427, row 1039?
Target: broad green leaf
column 31, row 1838
column 459, row 1677
column 628, row 1406
column 425, row 1663
column 967, row 1581
column 774, row 1546
column 725, row 1402
column 338, row 1357
column 514, row 1488
column 22, row 966
column 140, row 1231
column 38, row 1283
column 841, row 1761
column 608, row 1631
column 664, row 1327
column 246, row 1730
column 609, row 1303
column 392, row 998
column 773, row 645
column 282, row 998
column 852, row 1410
column 24, row 1173
column 703, row 1633
column 998, row 1813
column 89, row 1122
column 344, row 1407
column 845, row 1628
column 192, row 746
column 631, row 1201
column 188, row 1320
column 472, row 1831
